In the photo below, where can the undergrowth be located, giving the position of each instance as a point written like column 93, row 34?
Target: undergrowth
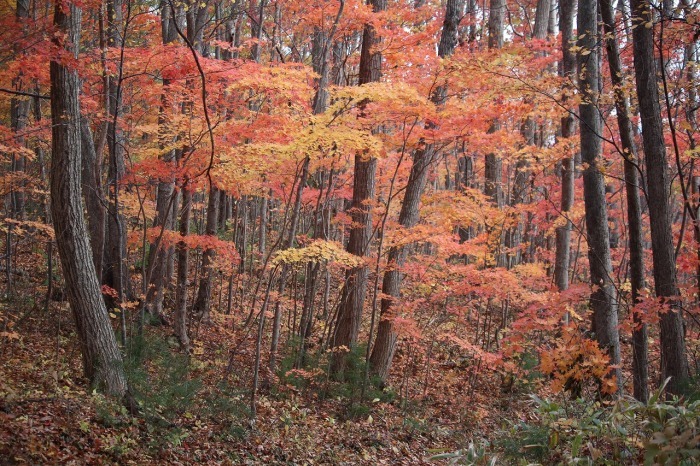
column 626, row 431
column 356, row 386
column 171, row 400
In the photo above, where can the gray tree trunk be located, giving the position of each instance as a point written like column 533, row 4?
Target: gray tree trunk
column 603, row 295
column 635, row 234
column 102, row 360
column 493, row 171
column 93, row 195
column 355, row 289
column 673, row 356
column 282, row 284
column 202, row 304
column 115, row 273
column 165, row 203
column 19, row 113
column 568, row 70
column 385, row 344
column 542, row 16
column 183, row 254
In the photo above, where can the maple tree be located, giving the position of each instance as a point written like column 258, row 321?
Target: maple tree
column 392, row 209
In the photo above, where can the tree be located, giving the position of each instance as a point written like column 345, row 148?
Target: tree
column 568, row 71
column 166, row 200
column 494, row 166
column 635, row 233
column 102, row 360
column 19, row 113
column 355, row 289
column 603, row 295
column 115, row 273
column 673, row 357
column 387, row 337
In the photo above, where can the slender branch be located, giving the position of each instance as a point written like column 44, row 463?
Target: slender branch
column 203, row 77
column 25, row 94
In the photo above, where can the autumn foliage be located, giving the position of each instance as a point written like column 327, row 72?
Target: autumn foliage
column 220, row 141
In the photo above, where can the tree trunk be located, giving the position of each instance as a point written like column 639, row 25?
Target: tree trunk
column 355, row 289
column 262, row 236
column 673, row 356
column 202, row 304
column 603, row 295
column 634, row 211
column 385, row 345
column 115, row 273
column 568, row 70
column 321, row 48
column 19, row 113
column 183, row 254
column 165, row 203
column 282, row 284
column 493, row 170
column 92, row 193
column 102, row 360
column 542, row 14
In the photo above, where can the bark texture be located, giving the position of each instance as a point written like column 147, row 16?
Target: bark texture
column 568, row 129
column 603, row 295
column 202, row 304
column 385, row 344
column 101, row 357
column 158, row 275
column 355, row 289
column 673, row 357
column 493, row 171
column 183, row 254
column 635, row 235
column 93, row 195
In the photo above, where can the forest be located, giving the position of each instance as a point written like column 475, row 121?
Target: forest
column 342, row 232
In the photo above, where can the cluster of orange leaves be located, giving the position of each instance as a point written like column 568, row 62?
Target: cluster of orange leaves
column 577, row 358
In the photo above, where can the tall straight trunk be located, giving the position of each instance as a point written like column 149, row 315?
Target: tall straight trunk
column 635, row 234
column 102, row 360
column 691, row 57
column 257, row 17
column 568, row 70
column 19, row 113
column 603, row 295
column 282, row 284
column 165, row 203
column 170, row 253
column 552, row 28
column 320, row 231
column 387, row 337
column 92, row 193
column 355, row 289
column 242, row 214
column 115, row 273
column 472, row 11
column 262, row 234
column 522, row 167
column 493, row 171
column 542, row 16
column 196, row 19
column 320, row 57
column 673, row 356
column 321, row 50
column 202, row 304
column 183, row 254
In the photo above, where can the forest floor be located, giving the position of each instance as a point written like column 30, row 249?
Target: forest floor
column 49, row 416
